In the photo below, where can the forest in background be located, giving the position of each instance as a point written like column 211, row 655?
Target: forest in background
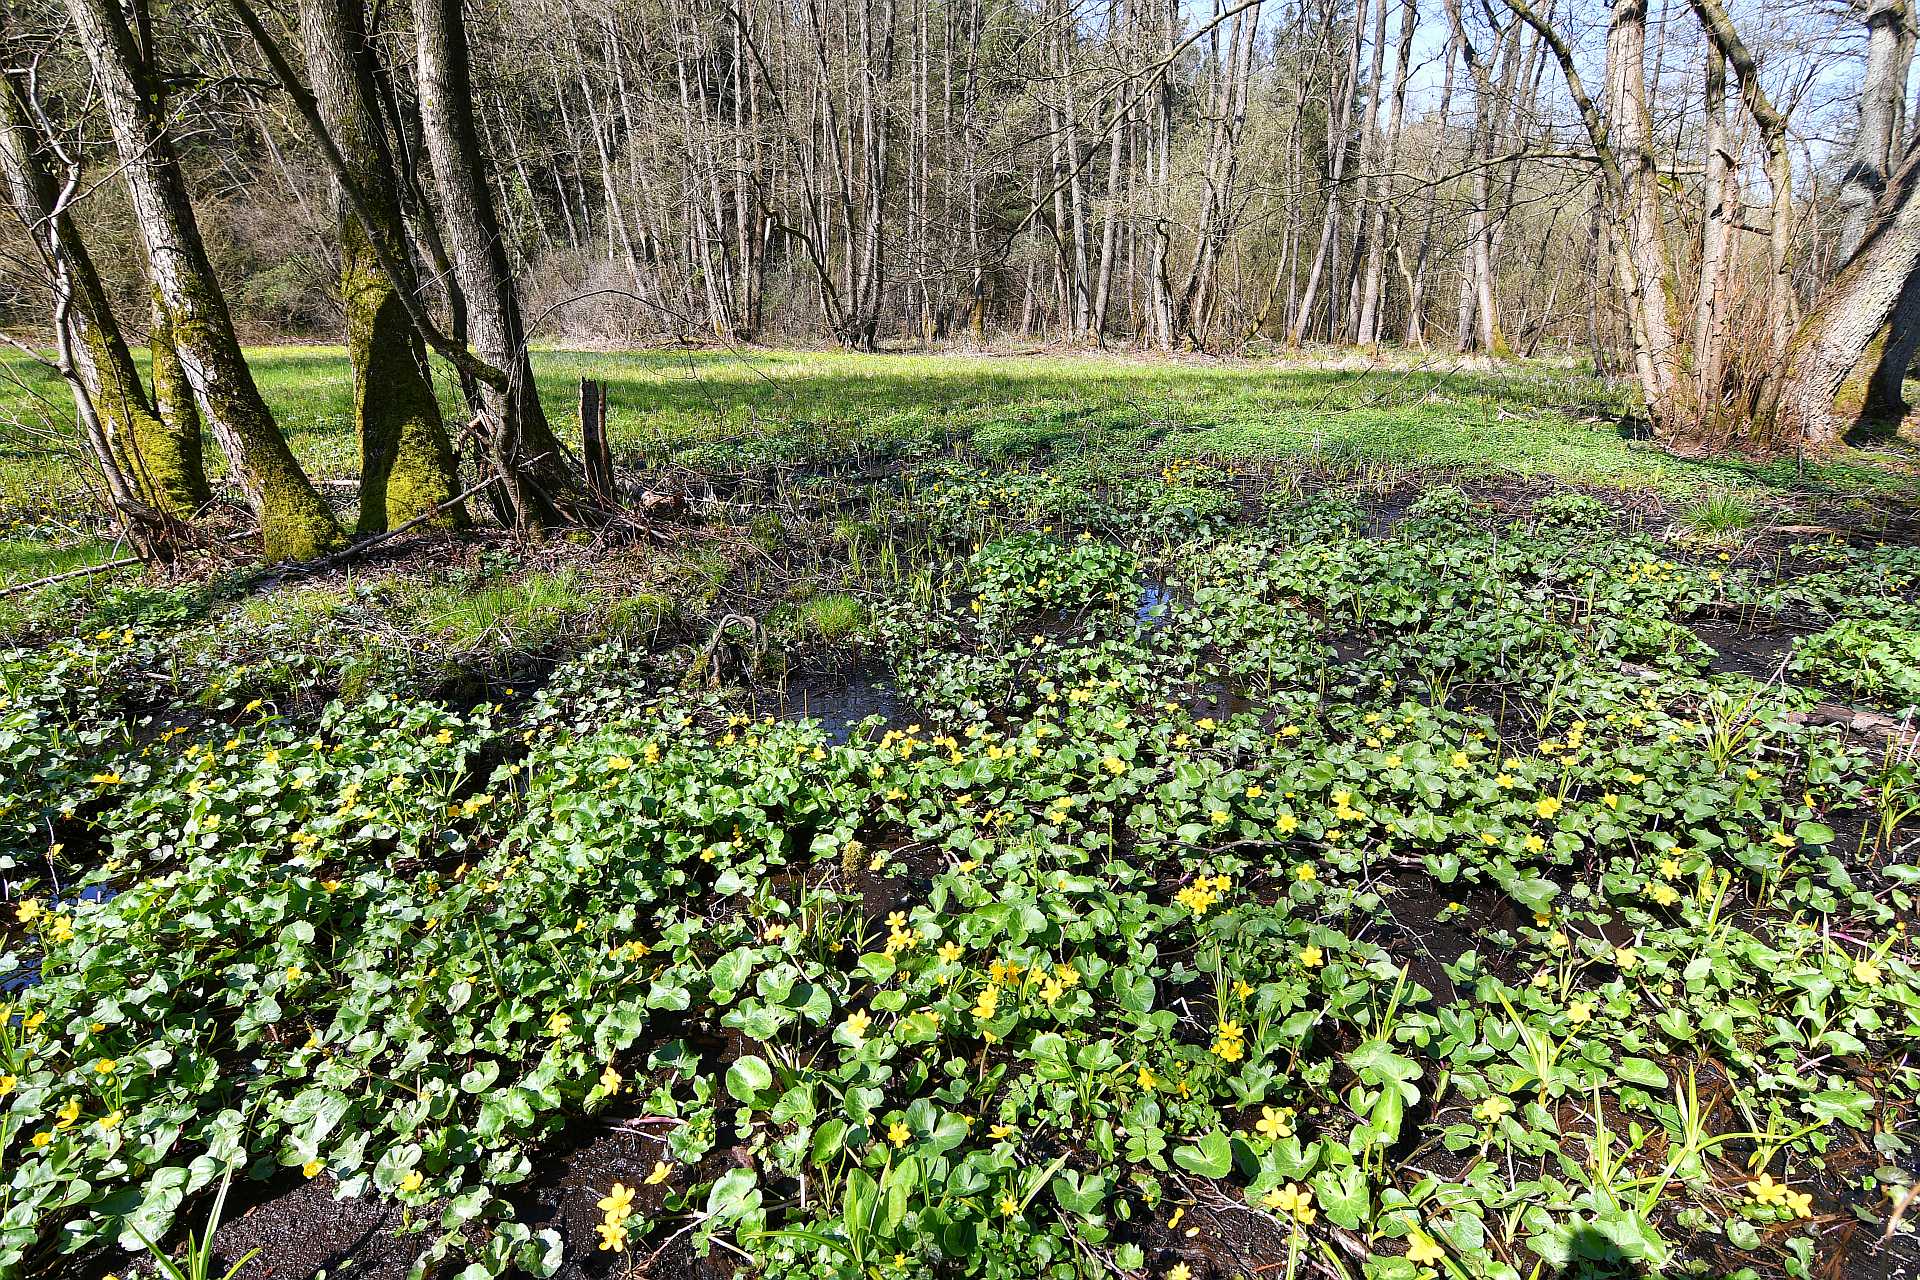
column 1711, row 203
column 888, row 171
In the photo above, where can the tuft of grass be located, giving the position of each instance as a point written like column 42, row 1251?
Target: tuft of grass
column 1724, row 512
column 522, row 614
column 834, row 616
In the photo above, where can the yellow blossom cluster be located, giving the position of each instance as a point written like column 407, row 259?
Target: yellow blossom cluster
column 1200, row 896
column 615, row 1208
column 1229, row 1041
column 1293, row 1200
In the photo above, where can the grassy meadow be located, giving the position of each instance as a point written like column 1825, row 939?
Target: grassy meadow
column 1015, row 816
column 710, row 407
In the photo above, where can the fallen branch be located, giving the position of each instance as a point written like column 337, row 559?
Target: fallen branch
column 82, row 572
column 124, row 562
column 307, row 568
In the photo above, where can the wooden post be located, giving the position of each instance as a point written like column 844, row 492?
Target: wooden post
column 596, row 455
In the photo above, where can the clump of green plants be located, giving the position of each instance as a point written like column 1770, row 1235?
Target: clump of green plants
column 515, row 613
column 1212, row 871
column 1871, row 657
column 1720, row 514
column 1570, row 510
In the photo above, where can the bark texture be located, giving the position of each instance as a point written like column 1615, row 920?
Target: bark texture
column 1804, row 403
column 294, row 522
column 523, row 446
column 163, row 466
column 407, row 466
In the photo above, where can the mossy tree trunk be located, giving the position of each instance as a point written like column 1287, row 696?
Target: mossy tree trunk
column 407, row 467
column 172, row 393
column 531, row 461
column 162, row 469
column 294, row 522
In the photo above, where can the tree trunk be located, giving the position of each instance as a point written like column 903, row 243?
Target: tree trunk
column 1339, row 143
column 1876, row 140
column 164, row 468
column 173, row 401
column 533, row 467
column 294, row 522
column 1374, row 279
column 406, row 462
column 1717, row 196
column 1804, row 404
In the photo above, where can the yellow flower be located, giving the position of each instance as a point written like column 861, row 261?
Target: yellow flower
column 898, row 1133
column 312, row 1168
column 1290, row 1199
column 617, row 1204
column 42, row 1138
column 1866, row 973
column 610, row 1079
column 104, row 1067
column 1547, row 806
column 1626, row 957
column 1492, row 1108
column 613, row 1235
column 1275, row 1122
column 1144, row 1078
column 1114, row 765
column 1503, row 780
column 1610, row 800
column 1579, row 1012
column 7, row 1084
column 950, row 952
column 295, row 973
column 1001, row 1132
column 1798, row 1204
column 1305, row 873
column 1535, row 844
column 1286, row 824
column 1393, row 760
column 110, row 1121
column 27, row 911
column 1008, row 1205
column 1766, row 1191
column 1663, row 894
column 412, row 1182
column 1421, row 1249
column 69, row 1112
column 1180, row 1271
column 558, row 1024
column 1458, row 760
column 1784, row 840
column 1311, row 956
column 661, row 1171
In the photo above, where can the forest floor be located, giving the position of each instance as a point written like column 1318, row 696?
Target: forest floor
column 1028, row 814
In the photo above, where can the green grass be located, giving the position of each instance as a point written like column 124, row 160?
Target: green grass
column 521, row 614
column 725, row 409
column 27, row 559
